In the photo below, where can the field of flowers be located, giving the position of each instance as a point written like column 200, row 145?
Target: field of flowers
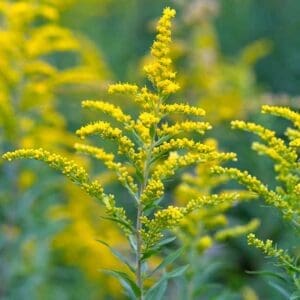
column 149, row 150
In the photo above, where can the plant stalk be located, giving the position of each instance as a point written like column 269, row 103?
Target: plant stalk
column 139, row 278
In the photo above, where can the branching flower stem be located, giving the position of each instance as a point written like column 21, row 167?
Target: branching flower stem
column 146, row 173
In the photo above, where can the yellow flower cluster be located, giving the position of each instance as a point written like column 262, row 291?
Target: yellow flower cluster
column 123, row 88
column 22, row 13
column 256, row 186
column 211, row 200
column 184, row 143
column 182, row 109
column 163, row 219
column 62, row 40
column 109, row 109
column 108, row 160
column 70, row 169
column 159, row 72
column 155, row 188
column 204, row 243
column 284, row 112
column 147, row 99
column 145, row 124
column 237, row 230
column 170, row 216
column 269, row 249
column 184, row 127
column 105, row 130
column 280, row 151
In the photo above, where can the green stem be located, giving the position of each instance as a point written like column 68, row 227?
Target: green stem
column 140, row 207
column 139, row 241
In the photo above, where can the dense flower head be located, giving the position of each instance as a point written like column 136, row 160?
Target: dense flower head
column 160, row 72
column 284, row 112
column 69, row 168
column 109, row 160
column 109, row 109
column 163, row 219
column 237, row 230
column 123, row 88
column 182, row 109
column 204, row 243
column 268, row 248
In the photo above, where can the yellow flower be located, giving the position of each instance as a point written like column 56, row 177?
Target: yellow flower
column 160, row 72
column 237, row 230
column 204, row 243
column 123, row 88
column 70, row 169
column 269, row 249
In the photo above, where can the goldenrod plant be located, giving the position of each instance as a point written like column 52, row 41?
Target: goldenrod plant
column 285, row 196
column 150, row 149
column 33, row 81
column 203, row 231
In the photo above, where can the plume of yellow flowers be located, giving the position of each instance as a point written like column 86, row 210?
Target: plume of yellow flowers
column 285, row 196
column 150, row 150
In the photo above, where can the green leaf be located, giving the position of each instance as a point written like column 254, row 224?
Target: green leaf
column 122, row 222
column 205, row 272
column 295, row 296
column 152, row 131
column 157, row 291
column 149, row 253
column 132, row 241
column 159, row 156
column 165, row 241
column 207, row 288
column 139, row 175
column 168, row 260
column 157, row 247
column 177, row 272
column 268, row 273
column 280, row 289
column 159, row 288
column 129, row 285
column 150, row 207
column 163, row 139
column 120, row 256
